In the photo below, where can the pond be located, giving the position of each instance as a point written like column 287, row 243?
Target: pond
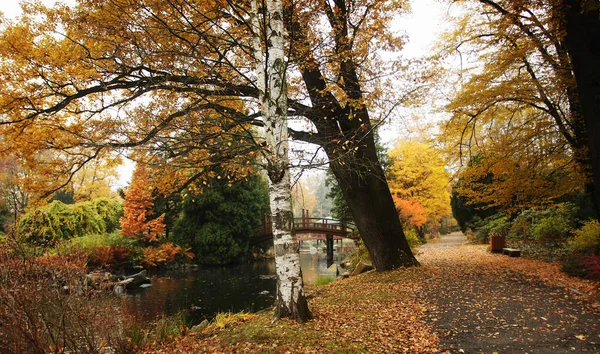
column 206, row 291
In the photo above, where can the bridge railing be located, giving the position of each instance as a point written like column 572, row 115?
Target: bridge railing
column 309, row 224
column 320, row 223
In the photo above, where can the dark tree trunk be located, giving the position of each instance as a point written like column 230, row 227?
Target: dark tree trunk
column 420, row 232
column 582, row 36
column 346, row 134
column 368, row 196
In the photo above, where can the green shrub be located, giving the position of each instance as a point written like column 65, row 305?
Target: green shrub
column 521, row 228
column 586, row 240
column 214, row 245
column 499, row 227
column 218, row 223
column 552, row 228
column 110, row 210
column 169, row 327
column 323, row 280
column 412, row 238
column 57, row 221
column 495, row 225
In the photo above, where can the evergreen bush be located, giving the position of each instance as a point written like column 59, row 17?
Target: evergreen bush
column 56, row 221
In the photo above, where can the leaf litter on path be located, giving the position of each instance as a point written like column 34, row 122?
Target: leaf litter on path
column 481, row 302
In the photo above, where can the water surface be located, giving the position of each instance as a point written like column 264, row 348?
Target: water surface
column 206, row 291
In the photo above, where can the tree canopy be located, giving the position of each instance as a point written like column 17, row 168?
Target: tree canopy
column 174, row 82
column 517, row 114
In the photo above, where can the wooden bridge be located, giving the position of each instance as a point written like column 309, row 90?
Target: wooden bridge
column 307, row 228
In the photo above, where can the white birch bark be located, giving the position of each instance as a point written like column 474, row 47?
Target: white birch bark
column 271, row 82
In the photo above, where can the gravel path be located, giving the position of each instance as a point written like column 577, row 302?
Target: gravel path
column 489, row 303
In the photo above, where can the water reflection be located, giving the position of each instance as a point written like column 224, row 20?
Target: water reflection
column 206, row 291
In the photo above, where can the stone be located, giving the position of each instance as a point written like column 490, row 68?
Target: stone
column 361, row 267
column 333, row 270
column 119, row 290
column 135, row 280
column 200, row 327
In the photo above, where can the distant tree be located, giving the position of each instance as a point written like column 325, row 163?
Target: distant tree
column 14, row 197
column 412, row 213
column 304, row 197
column 139, row 220
column 339, row 209
column 417, row 178
column 95, row 179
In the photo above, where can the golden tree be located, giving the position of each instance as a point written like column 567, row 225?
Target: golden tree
column 519, row 109
column 417, row 176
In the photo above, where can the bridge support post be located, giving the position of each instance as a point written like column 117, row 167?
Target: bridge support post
column 329, row 241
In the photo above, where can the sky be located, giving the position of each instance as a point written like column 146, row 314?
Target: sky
column 422, row 25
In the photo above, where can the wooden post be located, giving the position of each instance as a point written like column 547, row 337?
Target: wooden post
column 304, row 216
column 329, row 240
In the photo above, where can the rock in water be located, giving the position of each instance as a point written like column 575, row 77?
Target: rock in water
column 135, row 280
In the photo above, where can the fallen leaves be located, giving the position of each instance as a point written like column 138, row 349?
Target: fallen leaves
column 483, row 302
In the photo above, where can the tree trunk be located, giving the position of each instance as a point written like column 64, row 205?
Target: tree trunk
column 582, row 36
column 420, row 232
column 368, row 196
column 271, row 82
column 345, row 133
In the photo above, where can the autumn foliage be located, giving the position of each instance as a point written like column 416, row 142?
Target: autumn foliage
column 45, row 307
column 163, row 254
column 139, row 220
column 411, row 211
column 419, row 184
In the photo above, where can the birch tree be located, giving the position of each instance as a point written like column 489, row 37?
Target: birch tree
column 271, row 67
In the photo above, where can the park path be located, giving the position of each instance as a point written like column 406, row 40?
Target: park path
column 480, row 302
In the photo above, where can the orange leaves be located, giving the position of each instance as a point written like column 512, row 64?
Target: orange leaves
column 138, row 220
column 165, row 253
column 411, row 212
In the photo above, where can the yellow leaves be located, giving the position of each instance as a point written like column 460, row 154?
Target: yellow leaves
column 417, row 173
